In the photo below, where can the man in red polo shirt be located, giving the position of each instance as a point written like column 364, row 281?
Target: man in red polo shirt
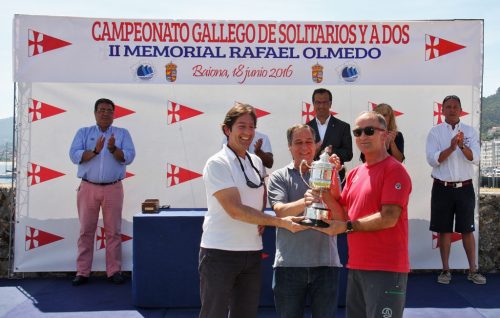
column 374, row 203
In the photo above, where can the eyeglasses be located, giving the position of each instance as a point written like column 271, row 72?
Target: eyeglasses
column 102, row 111
column 369, row 131
column 319, row 103
column 250, row 184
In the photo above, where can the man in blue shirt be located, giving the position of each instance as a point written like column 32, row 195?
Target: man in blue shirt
column 101, row 153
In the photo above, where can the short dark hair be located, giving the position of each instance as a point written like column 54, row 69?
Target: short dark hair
column 291, row 130
column 322, row 91
column 454, row 97
column 103, row 101
column 236, row 112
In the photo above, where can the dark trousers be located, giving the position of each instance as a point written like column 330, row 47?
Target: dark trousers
column 229, row 282
column 452, row 204
column 292, row 285
column 375, row 294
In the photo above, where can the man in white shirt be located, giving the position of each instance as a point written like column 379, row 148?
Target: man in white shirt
column 231, row 243
column 452, row 150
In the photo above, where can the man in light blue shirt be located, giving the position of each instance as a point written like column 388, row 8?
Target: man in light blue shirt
column 101, row 153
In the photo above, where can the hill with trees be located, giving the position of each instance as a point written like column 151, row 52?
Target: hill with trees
column 490, row 115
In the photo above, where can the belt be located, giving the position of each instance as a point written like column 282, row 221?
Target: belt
column 102, row 184
column 453, row 184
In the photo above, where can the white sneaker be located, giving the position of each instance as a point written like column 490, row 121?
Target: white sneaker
column 476, row 278
column 444, row 277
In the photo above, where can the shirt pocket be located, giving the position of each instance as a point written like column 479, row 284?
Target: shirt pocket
column 90, row 142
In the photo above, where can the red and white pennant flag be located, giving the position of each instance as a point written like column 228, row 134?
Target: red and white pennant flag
column 38, row 110
column 436, row 47
column 177, row 112
column 38, row 174
column 435, row 238
column 35, row 238
column 258, row 112
column 177, row 175
column 121, row 111
column 39, row 43
column 100, row 238
column 308, row 112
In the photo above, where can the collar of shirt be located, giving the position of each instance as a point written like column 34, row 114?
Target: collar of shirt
column 457, row 126
column 322, row 127
column 106, row 132
column 291, row 167
column 230, row 153
column 326, row 121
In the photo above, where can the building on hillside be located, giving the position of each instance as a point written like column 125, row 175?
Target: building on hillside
column 490, row 157
column 493, row 132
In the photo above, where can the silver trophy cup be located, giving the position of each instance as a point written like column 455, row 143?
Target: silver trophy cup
column 321, row 172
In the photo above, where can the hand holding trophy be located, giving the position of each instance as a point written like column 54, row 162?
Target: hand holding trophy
column 321, row 173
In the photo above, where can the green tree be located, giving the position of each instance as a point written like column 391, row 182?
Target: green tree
column 490, row 114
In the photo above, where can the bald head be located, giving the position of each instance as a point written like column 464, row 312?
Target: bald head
column 375, row 116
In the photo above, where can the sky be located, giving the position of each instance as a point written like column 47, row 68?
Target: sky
column 273, row 10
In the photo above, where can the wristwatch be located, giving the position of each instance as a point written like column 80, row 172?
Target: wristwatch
column 95, row 151
column 349, row 227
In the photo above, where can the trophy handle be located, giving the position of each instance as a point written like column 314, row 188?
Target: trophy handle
column 300, row 171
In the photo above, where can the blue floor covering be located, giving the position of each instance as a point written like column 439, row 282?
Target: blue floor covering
column 55, row 297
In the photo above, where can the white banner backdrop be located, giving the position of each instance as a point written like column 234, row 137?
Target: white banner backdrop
column 173, row 106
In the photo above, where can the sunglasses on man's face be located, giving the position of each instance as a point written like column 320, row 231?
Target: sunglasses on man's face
column 369, row 131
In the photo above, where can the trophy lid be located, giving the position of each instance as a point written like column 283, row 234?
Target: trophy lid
column 322, row 162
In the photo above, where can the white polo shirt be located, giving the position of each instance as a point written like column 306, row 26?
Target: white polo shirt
column 220, row 231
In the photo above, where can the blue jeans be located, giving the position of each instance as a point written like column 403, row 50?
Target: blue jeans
column 292, row 286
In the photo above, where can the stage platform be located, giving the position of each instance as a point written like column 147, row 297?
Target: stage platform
column 55, row 297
